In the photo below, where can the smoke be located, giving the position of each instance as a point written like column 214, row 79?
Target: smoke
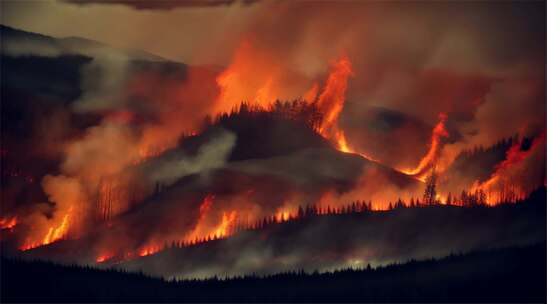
column 27, row 47
column 173, row 166
column 102, row 83
column 411, row 60
column 521, row 172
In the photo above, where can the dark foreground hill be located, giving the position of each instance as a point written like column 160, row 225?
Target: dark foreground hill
column 514, row 274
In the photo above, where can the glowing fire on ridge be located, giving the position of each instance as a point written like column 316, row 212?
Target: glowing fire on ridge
column 103, row 258
column 498, row 187
column 331, row 100
column 54, row 233
column 149, row 250
column 226, row 226
column 439, row 131
column 8, row 223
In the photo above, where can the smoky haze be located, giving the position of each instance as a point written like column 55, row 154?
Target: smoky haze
column 340, row 101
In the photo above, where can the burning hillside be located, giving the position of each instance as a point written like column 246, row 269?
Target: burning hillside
column 125, row 158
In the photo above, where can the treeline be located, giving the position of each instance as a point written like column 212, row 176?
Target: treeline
column 500, row 275
column 479, row 162
column 467, row 199
column 296, row 110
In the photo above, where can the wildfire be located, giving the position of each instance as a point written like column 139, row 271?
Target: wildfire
column 103, row 258
column 439, row 131
column 283, row 216
column 252, row 76
column 331, row 101
column 57, row 233
column 149, row 250
column 499, row 185
column 8, row 223
column 226, row 226
column 54, row 234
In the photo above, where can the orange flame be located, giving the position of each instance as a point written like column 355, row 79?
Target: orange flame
column 226, row 226
column 149, row 250
column 331, row 101
column 59, row 232
column 8, row 223
column 439, row 131
column 283, row 216
column 497, row 185
column 251, row 77
column 103, row 258
column 54, row 233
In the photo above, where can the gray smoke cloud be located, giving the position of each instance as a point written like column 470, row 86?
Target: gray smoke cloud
column 27, row 47
column 171, row 167
column 102, row 82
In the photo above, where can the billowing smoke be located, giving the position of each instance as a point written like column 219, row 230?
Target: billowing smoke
column 173, row 166
column 166, row 152
column 102, row 83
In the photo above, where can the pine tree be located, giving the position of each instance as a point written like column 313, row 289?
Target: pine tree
column 430, row 193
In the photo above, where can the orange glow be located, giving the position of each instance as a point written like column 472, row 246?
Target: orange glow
column 500, row 186
column 332, row 98
column 439, row 131
column 331, row 103
column 283, row 216
column 311, row 94
column 251, row 77
column 54, row 233
column 59, row 232
column 149, row 250
column 8, row 223
column 342, row 145
column 104, row 258
column 227, row 225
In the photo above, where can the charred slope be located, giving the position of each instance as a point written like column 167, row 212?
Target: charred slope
column 337, row 241
column 502, row 275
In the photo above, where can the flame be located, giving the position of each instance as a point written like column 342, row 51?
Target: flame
column 202, row 228
column 8, row 223
column 499, row 186
column 332, row 98
column 149, row 250
column 342, row 143
column 439, row 131
column 54, row 233
column 252, row 77
column 226, row 226
column 331, row 103
column 103, row 258
column 283, row 216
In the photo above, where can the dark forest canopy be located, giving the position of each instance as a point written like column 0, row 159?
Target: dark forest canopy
column 485, row 276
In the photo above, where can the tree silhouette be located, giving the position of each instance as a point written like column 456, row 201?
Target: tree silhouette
column 430, row 193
